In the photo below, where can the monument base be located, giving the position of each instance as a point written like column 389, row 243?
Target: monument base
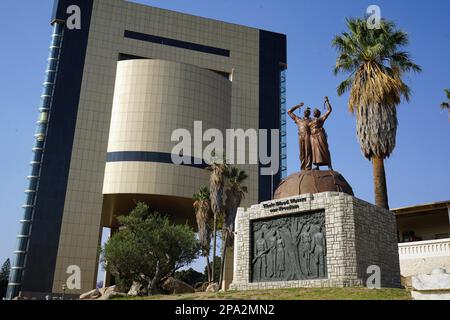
column 327, row 239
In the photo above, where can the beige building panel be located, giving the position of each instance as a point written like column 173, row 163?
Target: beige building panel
column 153, row 98
column 109, row 20
column 153, row 178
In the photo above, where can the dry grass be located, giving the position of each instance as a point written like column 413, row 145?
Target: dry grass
column 358, row 293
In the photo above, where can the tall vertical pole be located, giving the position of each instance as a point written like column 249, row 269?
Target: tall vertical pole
column 18, row 268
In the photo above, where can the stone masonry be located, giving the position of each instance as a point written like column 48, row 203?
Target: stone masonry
column 358, row 235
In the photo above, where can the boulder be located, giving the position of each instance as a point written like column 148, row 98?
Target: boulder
column 434, row 286
column 111, row 295
column 213, row 287
column 108, row 289
column 201, row 286
column 137, row 289
column 417, row 295
column 93, row 294
column 175, row 286
column 439, row 279
column 406, row 282
column 110, row 292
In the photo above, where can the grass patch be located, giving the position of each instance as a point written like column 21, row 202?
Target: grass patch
column 355, row 293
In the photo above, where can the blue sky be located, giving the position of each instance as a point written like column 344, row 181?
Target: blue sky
column 418, row 170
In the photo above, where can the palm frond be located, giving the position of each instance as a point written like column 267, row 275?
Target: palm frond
column 376, row 64
column 235, row 192
column 345, row 85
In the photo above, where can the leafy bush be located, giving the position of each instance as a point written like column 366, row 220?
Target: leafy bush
column 148, row 249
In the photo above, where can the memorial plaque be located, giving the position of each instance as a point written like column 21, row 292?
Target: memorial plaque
column 290, row 247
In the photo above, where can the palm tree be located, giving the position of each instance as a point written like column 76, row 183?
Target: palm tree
column 375, row 64
column 216, row 189
column 202, row 215
column 235, row 192
column 446, row 104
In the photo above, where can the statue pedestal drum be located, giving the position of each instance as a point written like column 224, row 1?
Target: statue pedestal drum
column 312, row 181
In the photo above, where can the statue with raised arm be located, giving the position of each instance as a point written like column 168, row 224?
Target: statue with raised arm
column 314, row 153
column 303, row 135
column 319, row 144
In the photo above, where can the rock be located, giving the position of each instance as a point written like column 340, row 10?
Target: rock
column 437, row 280
column 406, row 282
column 201, row 286
column 110, row 292
column 175, row 286
column 137, row 289
column 108, row 289
column 93, row 294
column 198, row 285
column 438, row 271
column 213, row 287
column 416, row 295
column 434, row 286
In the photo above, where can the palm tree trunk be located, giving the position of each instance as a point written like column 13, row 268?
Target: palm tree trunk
column 214, row 246
column 222, row 262
column 379, row 179
column 208, row 268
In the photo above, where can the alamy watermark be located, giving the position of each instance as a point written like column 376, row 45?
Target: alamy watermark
column 374, row 280
column 74, row 20
column 373, row 14
column 238, row 146
column 73, row 282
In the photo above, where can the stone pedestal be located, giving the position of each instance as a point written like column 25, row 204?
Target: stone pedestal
column 357, row 236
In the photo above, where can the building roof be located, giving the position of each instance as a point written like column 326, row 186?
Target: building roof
column 422, row 208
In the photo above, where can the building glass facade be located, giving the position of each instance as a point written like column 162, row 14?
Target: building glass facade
column 18, row 267
column 100, row 145
column 283, row 133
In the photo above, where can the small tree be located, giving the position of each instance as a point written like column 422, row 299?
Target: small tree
column 216, row 188
column 4, row 277
column 203, row 217
column 148, row 249
column 376, row 64
column 235, row 192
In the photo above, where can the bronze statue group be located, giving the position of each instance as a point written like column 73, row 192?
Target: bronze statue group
column 293, row 248
column 312, row 137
